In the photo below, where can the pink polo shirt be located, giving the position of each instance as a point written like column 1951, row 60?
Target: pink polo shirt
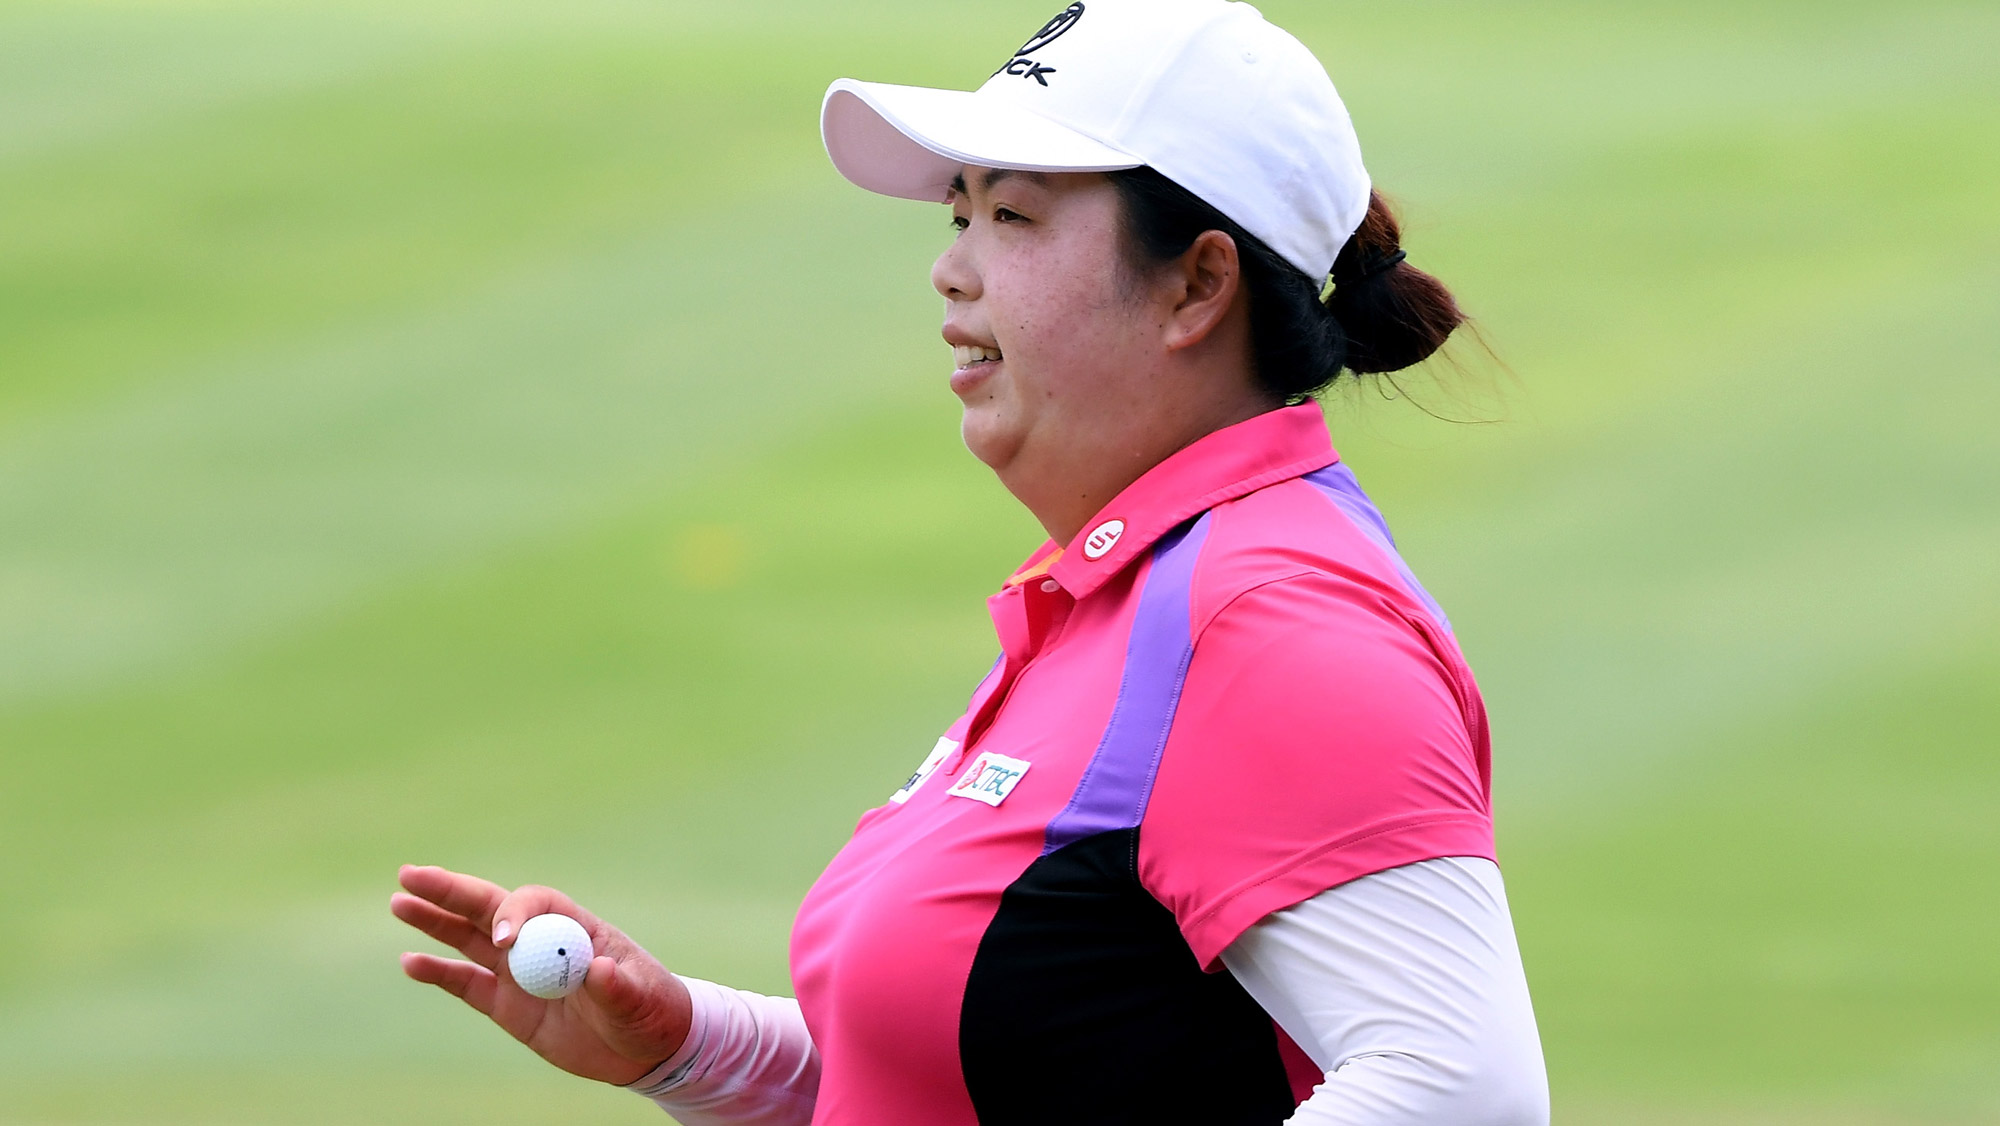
column 1227, row 695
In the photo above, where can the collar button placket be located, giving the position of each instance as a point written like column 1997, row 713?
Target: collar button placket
column 1027, row 617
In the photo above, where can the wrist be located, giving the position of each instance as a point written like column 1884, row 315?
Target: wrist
column 686, row 1061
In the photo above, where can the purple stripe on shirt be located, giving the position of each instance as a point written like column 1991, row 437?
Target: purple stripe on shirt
column 1119, row 780
column 1338, row 483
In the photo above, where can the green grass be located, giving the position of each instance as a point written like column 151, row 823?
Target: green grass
column 492, row 436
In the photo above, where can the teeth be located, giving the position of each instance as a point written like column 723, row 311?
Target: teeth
column 965, row 355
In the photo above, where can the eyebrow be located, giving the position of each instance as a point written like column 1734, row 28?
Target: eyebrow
column 993, row 176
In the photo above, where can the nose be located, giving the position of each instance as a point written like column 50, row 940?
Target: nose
column 953, row 274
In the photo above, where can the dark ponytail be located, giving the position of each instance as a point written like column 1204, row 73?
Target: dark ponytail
column 1382, row 315
column 1395, row 314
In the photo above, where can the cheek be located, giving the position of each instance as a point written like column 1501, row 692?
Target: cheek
column 1064, row 320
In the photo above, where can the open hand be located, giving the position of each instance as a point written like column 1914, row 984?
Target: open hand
column 630, row 1015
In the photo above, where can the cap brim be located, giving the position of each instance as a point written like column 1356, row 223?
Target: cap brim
column 911, row 141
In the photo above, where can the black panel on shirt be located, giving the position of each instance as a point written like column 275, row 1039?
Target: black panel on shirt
column 1085, row 1007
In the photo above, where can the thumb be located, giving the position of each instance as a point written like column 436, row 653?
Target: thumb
column 648, row 1018
column 617, row 996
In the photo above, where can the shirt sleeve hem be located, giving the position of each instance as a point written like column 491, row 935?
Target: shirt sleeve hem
column 1392, row 844
column 675, row 1069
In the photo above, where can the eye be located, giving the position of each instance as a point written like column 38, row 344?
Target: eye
column 1008, row 215
column 960, row 222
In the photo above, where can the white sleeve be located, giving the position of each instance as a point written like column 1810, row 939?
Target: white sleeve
column 747, row 1059
column 1406, row 988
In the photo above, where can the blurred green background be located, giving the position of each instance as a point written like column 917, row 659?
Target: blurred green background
column 491, row 435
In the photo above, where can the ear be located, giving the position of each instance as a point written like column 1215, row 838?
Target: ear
column 1206, row 280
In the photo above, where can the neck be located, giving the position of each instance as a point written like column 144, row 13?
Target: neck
column 1071, row 482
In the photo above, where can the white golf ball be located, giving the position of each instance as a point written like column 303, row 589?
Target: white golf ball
column 550, row 956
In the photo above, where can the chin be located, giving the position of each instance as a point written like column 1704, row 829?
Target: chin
column 992, row 440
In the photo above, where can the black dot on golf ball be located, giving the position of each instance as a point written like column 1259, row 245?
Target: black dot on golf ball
column 561, row 953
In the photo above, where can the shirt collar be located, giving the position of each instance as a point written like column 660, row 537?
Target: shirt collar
column 1229, row 463
column 1037, row 565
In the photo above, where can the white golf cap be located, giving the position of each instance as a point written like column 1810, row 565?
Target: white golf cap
column 1207, row 92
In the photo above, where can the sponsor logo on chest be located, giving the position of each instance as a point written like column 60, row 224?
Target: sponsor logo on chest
column 990, row 778
column 938, row 754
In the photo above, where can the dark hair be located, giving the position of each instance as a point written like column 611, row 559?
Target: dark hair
column 1384, row 314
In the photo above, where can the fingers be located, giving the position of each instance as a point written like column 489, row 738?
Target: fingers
column 470, row 897
column 452, row 930
column 524, row 903
column 475, row 985
column 487, row 908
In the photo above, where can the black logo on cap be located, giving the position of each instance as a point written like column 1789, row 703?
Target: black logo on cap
column 1051, row 31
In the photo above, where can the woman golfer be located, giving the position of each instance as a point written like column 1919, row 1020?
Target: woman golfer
column 1211, row 842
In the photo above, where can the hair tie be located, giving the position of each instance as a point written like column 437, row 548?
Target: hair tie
column 1377, row 263
column 1372, row 264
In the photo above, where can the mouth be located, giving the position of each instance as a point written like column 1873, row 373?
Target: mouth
column 972, row 363
column 965, row 355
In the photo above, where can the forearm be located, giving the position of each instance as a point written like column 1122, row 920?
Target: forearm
column 748, row 1059
column 1406, row 987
